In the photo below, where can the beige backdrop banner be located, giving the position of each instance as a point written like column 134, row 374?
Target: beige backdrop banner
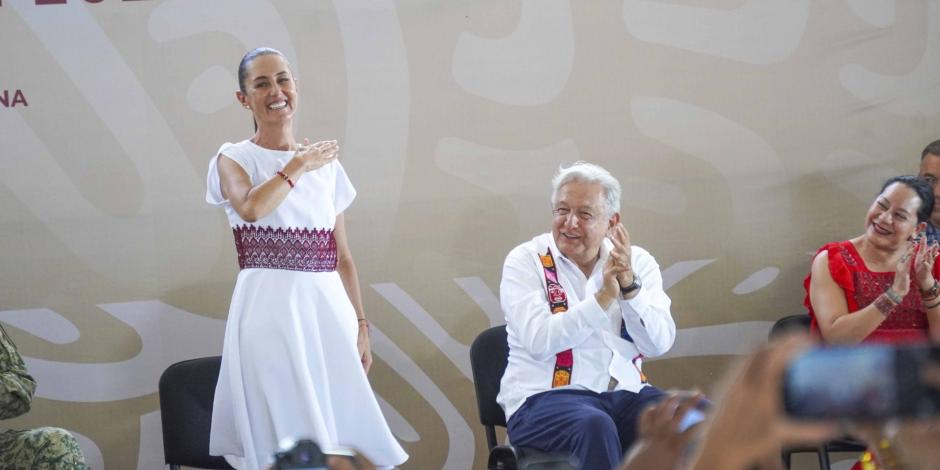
column 746, row 133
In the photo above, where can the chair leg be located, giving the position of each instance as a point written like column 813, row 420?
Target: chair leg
column 785, row 455
column 501, row 460
column 823, row 457
column 490, row 436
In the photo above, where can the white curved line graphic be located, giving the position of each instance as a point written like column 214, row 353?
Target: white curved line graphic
column 477, row 290
column 857, row 173
column 914, row 94
column 747, row 162
column 141, row 131
column 254, row 23
column 458, row 353
column 757, row 281
column 758, row 32
column 718, row 340
column 132, row 117
column 878, row 13
column 168, row 335
column 378, row 113
column 400, row 426
column 681, row 270
column 44, row 323
column 529, row 67
column 460, row 441
column 150, row 454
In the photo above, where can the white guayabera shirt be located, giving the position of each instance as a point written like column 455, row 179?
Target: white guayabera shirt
column 594, row 335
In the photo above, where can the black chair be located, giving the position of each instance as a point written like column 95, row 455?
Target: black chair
column 187, row 390
column 801, row 323
column 789, row 324
column 489, row 355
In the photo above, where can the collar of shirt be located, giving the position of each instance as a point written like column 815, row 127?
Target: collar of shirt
column 572, row 269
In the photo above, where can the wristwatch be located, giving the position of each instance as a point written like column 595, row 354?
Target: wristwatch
column 634, row 286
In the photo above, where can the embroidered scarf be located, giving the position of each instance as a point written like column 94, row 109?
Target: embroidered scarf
column 558, row 303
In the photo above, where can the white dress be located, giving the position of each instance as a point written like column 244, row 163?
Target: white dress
column 290, row 367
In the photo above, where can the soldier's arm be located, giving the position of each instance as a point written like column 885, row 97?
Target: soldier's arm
column 16, row 385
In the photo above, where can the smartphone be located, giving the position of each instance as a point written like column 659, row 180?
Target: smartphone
column 694, row 415
column 866, row 383
column 691, row 418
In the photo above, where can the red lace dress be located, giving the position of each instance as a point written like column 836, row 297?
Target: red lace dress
column 907, row 323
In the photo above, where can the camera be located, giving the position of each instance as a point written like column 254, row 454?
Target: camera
column 304, row 455
column 866, row 383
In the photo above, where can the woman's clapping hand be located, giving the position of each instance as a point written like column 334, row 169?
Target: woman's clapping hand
column 317, row 154
column 924, row 261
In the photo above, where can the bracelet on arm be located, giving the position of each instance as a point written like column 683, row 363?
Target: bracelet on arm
column 363, row 321
column 895, row 298
column 286, row 178
column 885, row 304
column 933, row 305
column 932, row 293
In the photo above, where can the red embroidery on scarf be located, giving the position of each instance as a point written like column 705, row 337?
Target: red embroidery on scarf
column 558, row 303
column 293, row 249
column 636, row 365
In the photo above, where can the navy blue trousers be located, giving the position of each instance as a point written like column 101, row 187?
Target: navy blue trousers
column 597, row 428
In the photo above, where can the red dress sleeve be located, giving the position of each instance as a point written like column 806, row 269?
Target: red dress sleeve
column 841, row 274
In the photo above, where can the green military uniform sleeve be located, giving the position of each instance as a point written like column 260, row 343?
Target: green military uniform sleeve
column 40, row 449
column 16, row 385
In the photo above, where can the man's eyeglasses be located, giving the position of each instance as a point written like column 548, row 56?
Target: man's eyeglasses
column 583, row 215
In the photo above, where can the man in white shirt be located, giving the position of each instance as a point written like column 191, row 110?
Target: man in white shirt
column 583, row 308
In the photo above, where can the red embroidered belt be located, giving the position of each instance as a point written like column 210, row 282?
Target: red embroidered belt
column 293, row 249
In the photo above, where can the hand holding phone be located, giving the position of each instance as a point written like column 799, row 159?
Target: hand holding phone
column 865, row 383
column 664, row 434
column 748, row 422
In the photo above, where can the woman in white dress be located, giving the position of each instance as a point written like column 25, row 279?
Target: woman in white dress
column 296, row 349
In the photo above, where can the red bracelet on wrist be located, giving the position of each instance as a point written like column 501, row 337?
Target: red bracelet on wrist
column 286, row 178
column 363, row 321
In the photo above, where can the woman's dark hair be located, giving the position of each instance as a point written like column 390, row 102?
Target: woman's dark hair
column 243, row 68
column 250, row 56
column 923, row 190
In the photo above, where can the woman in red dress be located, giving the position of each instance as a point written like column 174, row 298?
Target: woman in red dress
column 882, row 285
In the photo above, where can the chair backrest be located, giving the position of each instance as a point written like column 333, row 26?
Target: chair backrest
column 489, row 355
column 187, row 390
column 789, row 324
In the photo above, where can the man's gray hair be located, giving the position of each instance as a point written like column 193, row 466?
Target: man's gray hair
column 585, row 172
